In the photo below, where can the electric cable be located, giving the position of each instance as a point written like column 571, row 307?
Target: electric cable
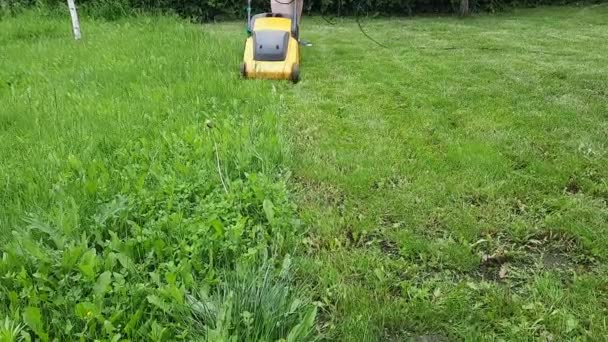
column 363, row 31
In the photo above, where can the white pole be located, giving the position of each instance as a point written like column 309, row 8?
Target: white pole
column 75, row 23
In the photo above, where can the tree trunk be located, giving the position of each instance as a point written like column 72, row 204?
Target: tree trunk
column 75, row 22
column 464, row 8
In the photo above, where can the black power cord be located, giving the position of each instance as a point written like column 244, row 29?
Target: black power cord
column 363, row 31
column 357, row 19
column 330, row 22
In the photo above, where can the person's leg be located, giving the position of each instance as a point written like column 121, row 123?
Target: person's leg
column 286, row 7
column 300, row 8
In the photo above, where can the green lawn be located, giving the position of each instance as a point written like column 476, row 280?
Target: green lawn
column 451, row 186
column 466, row 148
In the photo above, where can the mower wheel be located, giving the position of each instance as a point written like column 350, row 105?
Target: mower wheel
column 295, row 73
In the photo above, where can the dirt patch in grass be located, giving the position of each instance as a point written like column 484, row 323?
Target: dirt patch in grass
column 313, row 191
column 389, row 248
column 560, row 251
column 555, row 261
column 542, row 251
column 494, row 267
column 572, row 187
column 476, row 199
column 435, row 226
column 553, row 241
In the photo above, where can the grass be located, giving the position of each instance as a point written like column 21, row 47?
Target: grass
column 138, row 172
column 452, row 186
column 456, row 183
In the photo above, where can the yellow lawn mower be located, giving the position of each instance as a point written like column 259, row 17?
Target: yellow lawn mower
column 272, row 50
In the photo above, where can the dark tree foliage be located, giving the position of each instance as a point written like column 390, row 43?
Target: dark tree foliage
column 228, row 9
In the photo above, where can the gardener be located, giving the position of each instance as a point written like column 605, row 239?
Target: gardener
column 286, row 7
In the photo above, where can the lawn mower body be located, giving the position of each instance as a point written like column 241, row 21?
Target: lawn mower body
column 272, row 50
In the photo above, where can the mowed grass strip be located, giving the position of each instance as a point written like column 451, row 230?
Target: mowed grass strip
column 455, row 183
column 142, row 195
